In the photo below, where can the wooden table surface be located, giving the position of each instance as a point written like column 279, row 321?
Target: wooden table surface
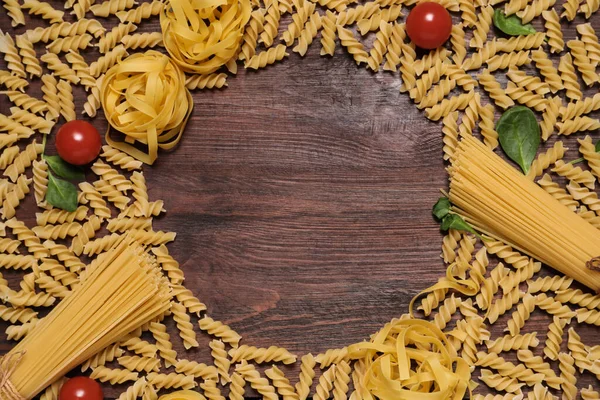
column 301, row 196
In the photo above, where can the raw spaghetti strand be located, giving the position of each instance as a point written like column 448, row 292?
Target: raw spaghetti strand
column 145, row 98
column 500, row 201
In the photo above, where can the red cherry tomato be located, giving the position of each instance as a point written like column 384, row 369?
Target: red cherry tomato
column 429, row 25
column 78, row 142
column 81, row 388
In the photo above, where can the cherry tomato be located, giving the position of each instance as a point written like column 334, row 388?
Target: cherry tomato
column 81, row 388
column 429, row 25
column 78, row 142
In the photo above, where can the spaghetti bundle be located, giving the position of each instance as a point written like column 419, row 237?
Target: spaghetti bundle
column 501, row 202
column 203, row 35
column 121, row 291
column 145, row 98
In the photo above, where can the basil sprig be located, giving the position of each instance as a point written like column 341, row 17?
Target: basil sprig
column 62, row 193
column 519, row 135
column 511, row 25
column 441, row 211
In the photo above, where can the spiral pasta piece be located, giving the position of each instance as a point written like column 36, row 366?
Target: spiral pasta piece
column 50, row 96
column 65, row 256
column 8, row 156
column 585, row 196
column 110, row 39
column 510, row 342
column 141, row 347
column 139, row 363
column 524, row 310
column 60, row 69
column 13, row 9
column 508, row 369
column 582, row 62
column 59, row 272
column 544, row 160
column 500, row 383
column 578, row 124
column 589, row 394
column 262, row 355
column 55, row 31
column 31, row 120
column 51, row 286
column 12, row 56
column 576, row 296
column 12, row 82
column 27, row 237
column 308, row 33
column 352, row 45
column 258, row 383
column 14, row 196
column 570, row 9
column 482, row 27
column 163, row 343
column 515, row 5
column 113, row 376
column 549, row 284
column 120, row 159
column 54, row 232
column 578, row 351
column 553, row 307
column 70, row 43
column 43, row 9
column 575, row 174
column 95, row 199
column 372, row 23
column 211, row 391
column 28, row 56
column 17, row 262
column 508, row 60
column 422, row 85
column 111, row 7
column 450, row 139
column 325, row 385
column 269, row 28
column 553, row 30
column 13, row 315
column 495, row 91
column 52, row 391
column 198, row 370
column 590, row 41
column 281, row 383
column 307, row 375
column 104, row 63
column 457, row 39
column 525, row 97
column 28, row 103
column 537, row 364
column 361, row 12
column 567, row 374
column 143, row 11
column 556, row 191
column 87, row 232
column 142, row 40
column 17, row 332
column 30, row 299
column 535, row 9
column 189, row 301
column 591, row 317
column 569, row 77
column 237, row 387
column 329, row 33
column 502, row 305
column 446, row 106
column 65, row 100
column 445, row 312
column 590, row 7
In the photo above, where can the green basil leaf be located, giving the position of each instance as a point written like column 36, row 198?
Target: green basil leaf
column 597, row 146
column 61, row 194
column 511, row 25
column 441, row 207
column 455, row 221
column 519, row 135
column 63, row 169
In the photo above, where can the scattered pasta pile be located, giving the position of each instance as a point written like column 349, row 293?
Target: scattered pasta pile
column 460, row 84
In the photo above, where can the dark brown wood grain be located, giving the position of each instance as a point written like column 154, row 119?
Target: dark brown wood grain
column 301, row 198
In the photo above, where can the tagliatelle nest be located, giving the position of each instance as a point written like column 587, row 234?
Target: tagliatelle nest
column 202, row 36
column 145, row 98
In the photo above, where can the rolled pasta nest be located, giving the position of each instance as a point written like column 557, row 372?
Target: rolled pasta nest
column 203, row 35
column 145, row 98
